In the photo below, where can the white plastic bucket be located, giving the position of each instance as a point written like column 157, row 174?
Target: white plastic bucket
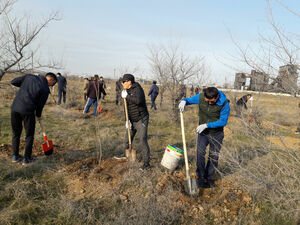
column 171, row 157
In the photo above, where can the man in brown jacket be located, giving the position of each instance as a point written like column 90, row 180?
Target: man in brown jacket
column 93, row 94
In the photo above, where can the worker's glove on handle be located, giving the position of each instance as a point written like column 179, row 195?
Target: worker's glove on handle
column 201, row 128
column 181, row 105
column 124, row 94
column 130, row 125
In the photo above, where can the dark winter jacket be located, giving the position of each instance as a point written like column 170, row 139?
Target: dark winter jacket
column 119, row 86
column 93, row 90
column 32, row 95
column 214, row 115
column 154, row 90
column 242, row 101
column 62, row 83
column 102, row 86
column 136, row 103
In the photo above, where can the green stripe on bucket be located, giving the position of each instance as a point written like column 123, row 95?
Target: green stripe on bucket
column 175, row 149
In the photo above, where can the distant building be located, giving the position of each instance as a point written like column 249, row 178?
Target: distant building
column 286, row 81
column 259, row 81
column 240, row 81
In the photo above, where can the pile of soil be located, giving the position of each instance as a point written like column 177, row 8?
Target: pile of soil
column 224, row 203
column 108, row 170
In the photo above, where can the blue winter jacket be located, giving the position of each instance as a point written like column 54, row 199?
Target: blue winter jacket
column 224, row 114
column 154, row 90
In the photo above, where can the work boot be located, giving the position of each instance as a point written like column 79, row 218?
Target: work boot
column 201, row 183
column 145, row 167
column 27, row 161
column 16, row 158
column 211, row 184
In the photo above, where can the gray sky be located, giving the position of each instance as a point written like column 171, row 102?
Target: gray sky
column 99, row 37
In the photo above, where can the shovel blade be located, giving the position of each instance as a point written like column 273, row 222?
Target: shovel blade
column 191, row 187
column 48, row 147
column 130, row 155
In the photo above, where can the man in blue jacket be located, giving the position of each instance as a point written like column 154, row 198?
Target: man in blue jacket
column 28, row 104
column 154, row 90
column 213, row 116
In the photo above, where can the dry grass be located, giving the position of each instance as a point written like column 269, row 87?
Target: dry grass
column 258, row 180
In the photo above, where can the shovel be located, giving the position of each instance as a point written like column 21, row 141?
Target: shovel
column 48, row 145
column 191, row 185
column 129, row 153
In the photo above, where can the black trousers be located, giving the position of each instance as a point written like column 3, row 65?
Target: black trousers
column 141, row 128
column 29, row 124
column 102, row 92
column 61, row 92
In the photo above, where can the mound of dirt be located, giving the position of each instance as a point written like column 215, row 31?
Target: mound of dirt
column 108, row 170
column 224, row 202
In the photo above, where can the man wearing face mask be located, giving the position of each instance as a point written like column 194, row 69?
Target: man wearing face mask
column 138, row 115
column 213, row 116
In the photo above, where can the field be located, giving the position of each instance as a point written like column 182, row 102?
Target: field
column 81, row 183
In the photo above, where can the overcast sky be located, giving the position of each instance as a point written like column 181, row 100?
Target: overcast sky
column 99, row 37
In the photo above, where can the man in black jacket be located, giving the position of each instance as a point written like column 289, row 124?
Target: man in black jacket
column 28, row 104
column 138, row 115
column 241, row 103
column 62, row 86
column 102, row 87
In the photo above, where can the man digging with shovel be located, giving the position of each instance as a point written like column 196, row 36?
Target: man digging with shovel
column 28, row 104
column 213, row 116
column 138, row 118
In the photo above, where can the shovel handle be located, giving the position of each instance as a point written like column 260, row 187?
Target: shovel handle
column 45, row 137
column 184, row 145
column 128, row 126
column 44, row 134
column 185, row 154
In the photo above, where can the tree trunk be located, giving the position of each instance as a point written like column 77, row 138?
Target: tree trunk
column 161, row 97
column 1, row 74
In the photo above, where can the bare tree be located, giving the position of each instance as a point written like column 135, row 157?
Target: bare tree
column 16, row 41
column 172, row 69
column 272, row 52
column 125, row 69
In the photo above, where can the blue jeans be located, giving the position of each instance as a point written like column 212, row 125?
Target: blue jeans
column 91, row 101
column 215, row 142
column 153, row 97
